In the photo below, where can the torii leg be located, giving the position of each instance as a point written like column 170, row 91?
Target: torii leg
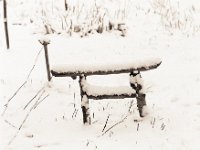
column 137, row 84
column 84, row 101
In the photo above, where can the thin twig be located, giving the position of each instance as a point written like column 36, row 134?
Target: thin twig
column 75, row 110
column 33, row 98
column 106, row 123
column 26, row 117
column 138, row 125
column 13, row 138
column 163, row 126
column 31, row 109
column 115, row 125
column 36, row 59
column 130, row 106
column 153, row 122
column 74, row 101
column 6, row 105
column 39, row 102
column 74, row 113
column 28, row 76
column 6, row 121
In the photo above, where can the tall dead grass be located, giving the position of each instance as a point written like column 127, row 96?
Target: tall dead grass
column 81, row 19
column 176, row 18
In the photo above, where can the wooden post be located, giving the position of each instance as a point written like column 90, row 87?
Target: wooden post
column 6, row 23
column 66, row 5
column 84, row 102
column 45, row 43
column 137, row 84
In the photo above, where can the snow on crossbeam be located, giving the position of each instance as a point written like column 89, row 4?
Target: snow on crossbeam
column 103, row 92
column 77, row 70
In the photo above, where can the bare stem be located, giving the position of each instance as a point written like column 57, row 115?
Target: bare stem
column 39, row 102
column 27, row 78
column 26, row 117
column 33, row 98
column 106, row 123
column 115, row 125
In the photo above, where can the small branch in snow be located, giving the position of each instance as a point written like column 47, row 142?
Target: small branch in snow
column 74, row 101
column 115, row 125
column 39, row 102
column 6, row 105
column 162, row 126
column 106, row 123
column 6, row 121
column 26, row 117
column 75, row 110
column 130, row 106
column 153, row 122
column 13, row 138
column 138, row 126
column 33, row 98
column 27, row 78
column 33, row 107
column 74, row 113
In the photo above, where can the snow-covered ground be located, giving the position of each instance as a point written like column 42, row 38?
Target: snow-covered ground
column 53, row 119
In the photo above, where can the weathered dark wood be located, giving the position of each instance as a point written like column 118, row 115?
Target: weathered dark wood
column 66, row 5
column 47, row 62
column 140, row 95
column 45, row 43
column 141, row 102
column 84, row 102
column 122, row 96
column 6, row 23
column 100, row 72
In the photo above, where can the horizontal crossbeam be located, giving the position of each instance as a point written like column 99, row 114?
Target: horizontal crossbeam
column 101, row 97
column 62, row 71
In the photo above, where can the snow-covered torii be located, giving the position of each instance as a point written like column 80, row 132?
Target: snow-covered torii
column 88, row 91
